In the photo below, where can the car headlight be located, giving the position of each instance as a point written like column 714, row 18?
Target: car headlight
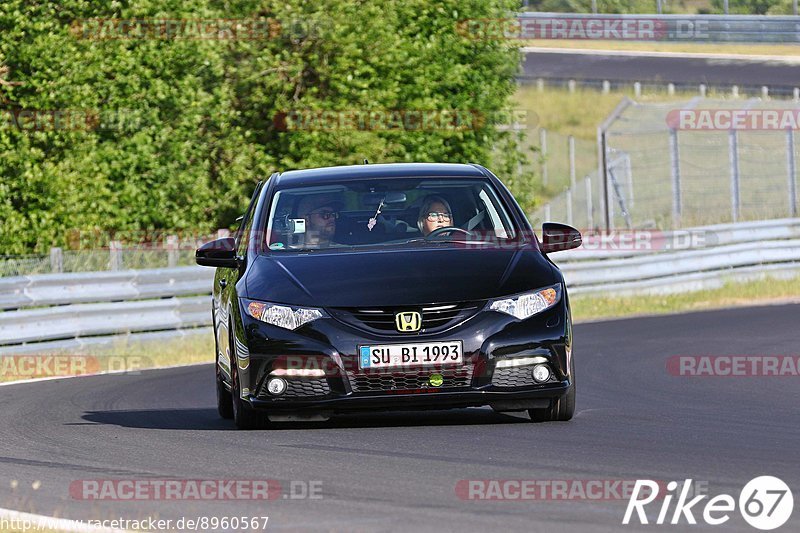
column 528, row 304
column 283, row 316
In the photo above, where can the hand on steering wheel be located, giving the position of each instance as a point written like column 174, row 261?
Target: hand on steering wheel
column 447, row 229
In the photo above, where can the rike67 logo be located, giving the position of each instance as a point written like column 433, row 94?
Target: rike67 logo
column 765, row 503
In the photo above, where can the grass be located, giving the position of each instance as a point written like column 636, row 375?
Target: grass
column 131, row 356
column 563, row 113
column 559, row 111
column 652, row 46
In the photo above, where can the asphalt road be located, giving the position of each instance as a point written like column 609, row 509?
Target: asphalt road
column 399, row 471
column 683, row 70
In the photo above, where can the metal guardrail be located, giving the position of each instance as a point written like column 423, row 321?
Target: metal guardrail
column 678, row 28
column 55, row 311
column 610, row 246
column 86, row 320
column 56, row 289
column 730, row 252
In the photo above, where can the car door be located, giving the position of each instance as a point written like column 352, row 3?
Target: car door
column 225, row 284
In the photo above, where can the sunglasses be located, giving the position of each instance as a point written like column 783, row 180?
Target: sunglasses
column 325, row 215
column 434, row 216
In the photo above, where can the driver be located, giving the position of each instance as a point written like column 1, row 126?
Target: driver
column 435, row 213
column 320, row 212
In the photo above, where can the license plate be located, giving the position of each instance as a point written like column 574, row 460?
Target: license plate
column 418, row 354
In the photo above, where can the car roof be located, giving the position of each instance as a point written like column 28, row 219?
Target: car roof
column 388, row 170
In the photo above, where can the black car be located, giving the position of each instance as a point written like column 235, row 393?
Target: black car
column 398, row 286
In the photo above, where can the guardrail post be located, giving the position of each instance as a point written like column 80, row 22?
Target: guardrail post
column 569, row 206
column 796, row 94
column 725, row 6
column 637, row 89
column 675, row 167
column 765, row 92
column 671, row 89
column 547, row 216
column 115, row 255
column 571, row 142
column 589, row 210
column 733, row 159
column 602, row 175
column 790, row 164
column 172, row 250
column 606, row 86
column 735, row 91
column 543, row 153
column 56, row 260
column 703, row 90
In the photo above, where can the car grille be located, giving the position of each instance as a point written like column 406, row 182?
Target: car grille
column 453, row 378
column 517, row 376
column 435, row 318
column 298, row 388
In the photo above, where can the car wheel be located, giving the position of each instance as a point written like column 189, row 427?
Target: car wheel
column 561, row 409
column 243, row 415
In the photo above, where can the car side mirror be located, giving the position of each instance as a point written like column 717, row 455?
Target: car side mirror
column 557, row 237
column 218, row 253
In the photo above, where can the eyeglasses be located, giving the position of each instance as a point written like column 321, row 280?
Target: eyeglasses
column 434, row 216
column 326, row 215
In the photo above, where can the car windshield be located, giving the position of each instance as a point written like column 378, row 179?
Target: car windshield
column 388, row 213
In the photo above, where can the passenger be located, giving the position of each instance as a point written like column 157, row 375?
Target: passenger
column 435, row 213
column 320, row 213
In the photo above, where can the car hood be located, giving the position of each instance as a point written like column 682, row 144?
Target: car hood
column 396, row 277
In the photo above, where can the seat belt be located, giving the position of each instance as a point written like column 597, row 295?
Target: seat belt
column 477, row 219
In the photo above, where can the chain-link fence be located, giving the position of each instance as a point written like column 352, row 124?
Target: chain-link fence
column 100, row 255
column 690, row 163
column 93, row 260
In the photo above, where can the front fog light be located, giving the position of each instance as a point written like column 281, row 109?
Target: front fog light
column 276, row 386
column 540, row 373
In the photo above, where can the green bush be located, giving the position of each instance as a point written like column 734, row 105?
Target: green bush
column 180, row 129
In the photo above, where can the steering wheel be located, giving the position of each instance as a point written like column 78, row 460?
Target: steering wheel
column 447, row 229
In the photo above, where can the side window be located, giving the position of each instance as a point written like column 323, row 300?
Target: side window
column 243, row 233
column 495, row 217
column 244, row 237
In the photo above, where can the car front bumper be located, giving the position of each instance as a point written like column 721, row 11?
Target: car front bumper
column 488, row 338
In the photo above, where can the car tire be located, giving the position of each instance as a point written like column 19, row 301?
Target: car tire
column 562, row 408
column 224, row 398
column 243, row 415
